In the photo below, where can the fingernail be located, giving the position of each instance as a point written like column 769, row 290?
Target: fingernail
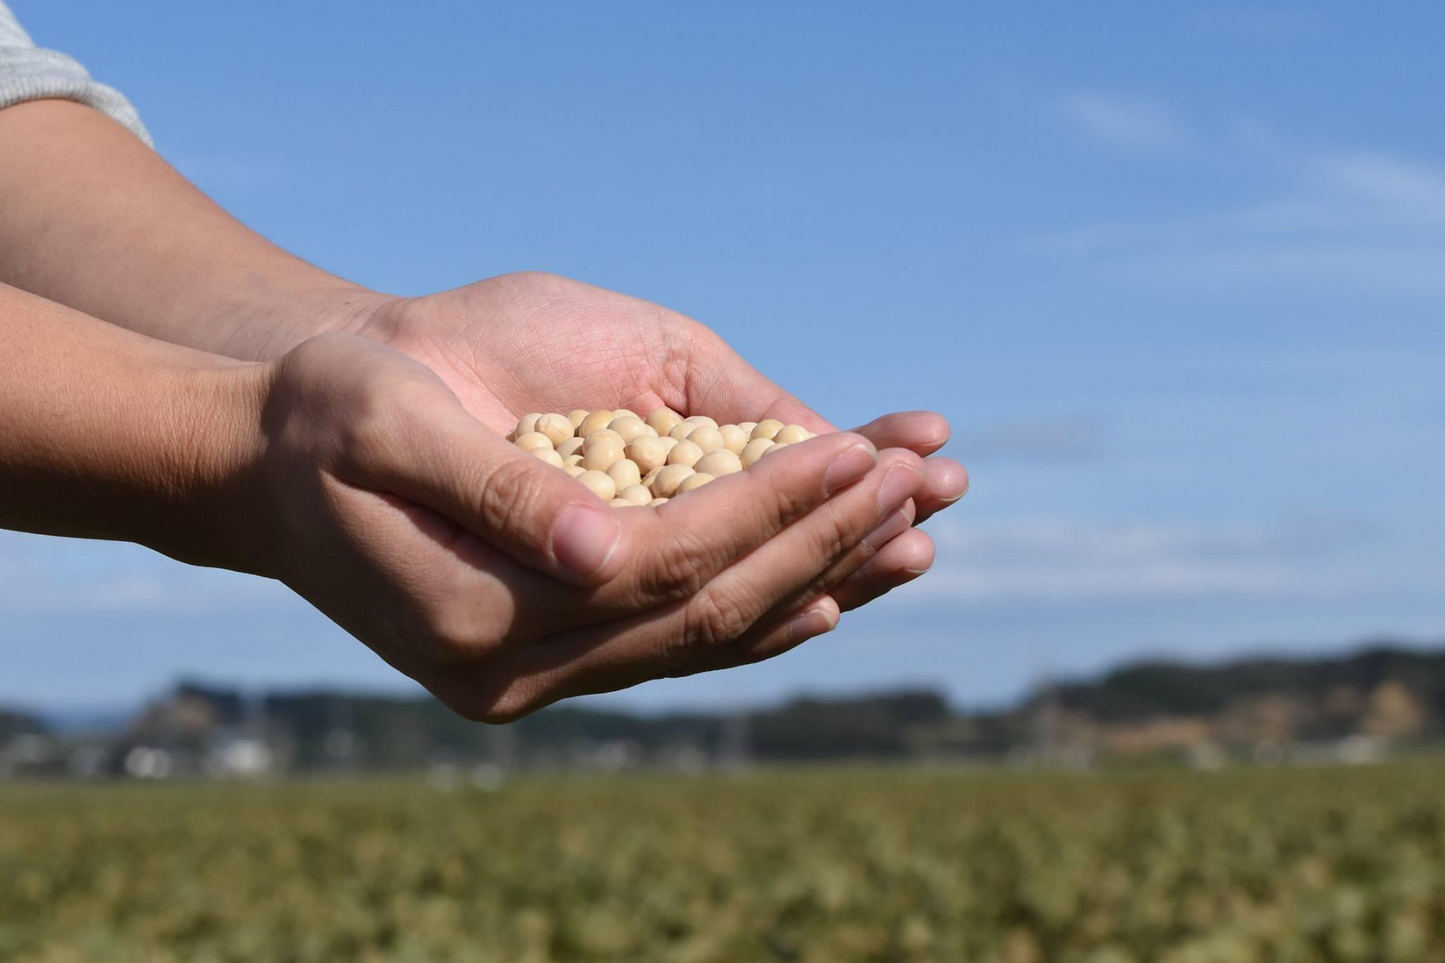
column 891, row 528
column 900, row 482
column 584, row 539
column 810, row 625
column 849, row 466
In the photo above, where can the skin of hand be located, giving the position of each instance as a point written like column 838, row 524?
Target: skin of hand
column 537, row 342
column 434, row 540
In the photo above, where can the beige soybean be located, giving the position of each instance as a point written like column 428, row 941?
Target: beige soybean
column 708, row 439
column 684, row 453
column 668, row 443
column 573, row 470
column 571, row 446
column 576, row 415
column 533, row 439
column 792, row 433
column 549, row 456
column 526, row 423
column 663, row 420
column 667, row 480
column 593, row 422
column 600, row 483
column 651, row 476
column 701, row 420
column 734, row 438
column 599, row 453
column 658, row 501
column 777, row 446
column 766, row 428
column 601, row 433
column 682, row 429
column 573, row 459
column 748, row 426
column 623, row 472
column 695, row 480
column 628, row 426
column 624, row 413
column 622, row 503
column 637, row 494
column 754, row 450
column 718, row 463
column 556, row 427
column 648, row 452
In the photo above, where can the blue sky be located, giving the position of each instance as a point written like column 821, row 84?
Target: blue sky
column 1175, row 272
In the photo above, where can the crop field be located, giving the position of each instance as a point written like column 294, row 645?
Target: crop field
column 826, row 866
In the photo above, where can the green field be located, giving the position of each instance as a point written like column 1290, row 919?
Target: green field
column 819, row 866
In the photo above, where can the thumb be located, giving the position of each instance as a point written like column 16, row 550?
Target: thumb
column 445, row 459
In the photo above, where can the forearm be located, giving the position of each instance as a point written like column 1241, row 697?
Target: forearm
column 108, row 434
column 97, row 221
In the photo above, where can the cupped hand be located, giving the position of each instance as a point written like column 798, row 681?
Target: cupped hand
column 537, row 342
column 503, row 585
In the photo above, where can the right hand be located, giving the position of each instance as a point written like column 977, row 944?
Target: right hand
column 503, row 585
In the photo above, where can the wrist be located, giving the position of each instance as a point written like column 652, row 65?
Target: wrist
column 270, row 323
column 206, row 483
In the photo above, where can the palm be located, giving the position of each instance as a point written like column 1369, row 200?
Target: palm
column 537, row 342
column 522, row 343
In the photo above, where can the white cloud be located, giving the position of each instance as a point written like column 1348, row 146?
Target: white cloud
column 1124, row 122
column 1409, row 188
column 1060, row 439
column 1359, row 220
column 1067, row 559
column 56, row 575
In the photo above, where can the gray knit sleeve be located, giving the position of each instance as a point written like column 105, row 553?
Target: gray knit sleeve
column 28, row 72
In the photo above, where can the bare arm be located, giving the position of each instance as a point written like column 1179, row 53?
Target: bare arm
column 107, row 434
column 97, row 221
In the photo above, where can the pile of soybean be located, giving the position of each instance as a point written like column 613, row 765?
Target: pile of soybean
column 627, row 460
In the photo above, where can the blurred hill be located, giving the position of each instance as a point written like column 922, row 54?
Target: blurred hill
column 13, row 723
column 1353, row 707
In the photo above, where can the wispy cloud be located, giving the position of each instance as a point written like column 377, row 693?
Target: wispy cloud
column 1124, row 122
column 1062, row 439
column 1069, row 559
column 1365, row 220
column 54, row 575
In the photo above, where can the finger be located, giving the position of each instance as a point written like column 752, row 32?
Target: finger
column 445, row 591
column 769, row 638
column 444, row 459
column 905, row 558
column 394, row 426
column 945, row 482
column 921, row 432
column 680, row 546
column 856, row 574
column 636, row 649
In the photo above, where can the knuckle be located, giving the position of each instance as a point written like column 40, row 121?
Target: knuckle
column 905, row 458
column 496, row 704
column 715, row 618
column 679, row 567
column 509, row 494
column 834, row 535
column 453, row 640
